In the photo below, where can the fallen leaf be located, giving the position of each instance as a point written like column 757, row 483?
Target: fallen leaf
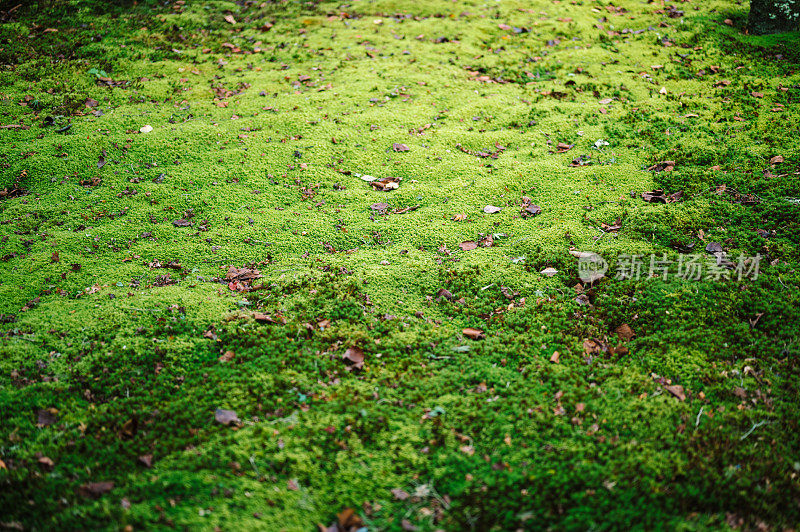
column 624, row 332
column 549, row 272
column 399, row 147
column 776, row 160
column 226, row 417
column 443, row 293
column 467, row 246
column 183, row 222
column 400, row 494
column 486, row 242
column 530, row 210
column 491, row 209
column 592, row 346
column 95, row 489
column 386, row 183
column 46, row 417
column 408, row 526
column 659, row 196
column 554, row 357
column 562, row 147
column 676, row 390
column 354, row 355
column 227, row 356
column 146, row 460
column 616, row 226
column 263, row 318
column 128, row 429
column 229, row 19
column 475, row 334
column 349, row 520
column 146, row 129
column 662, row 166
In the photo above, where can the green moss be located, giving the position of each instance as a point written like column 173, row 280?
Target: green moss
column 262, row 150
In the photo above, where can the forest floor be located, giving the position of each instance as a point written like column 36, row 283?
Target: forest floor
column 286, row 264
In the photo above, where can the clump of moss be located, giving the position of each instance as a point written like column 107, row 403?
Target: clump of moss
column 490, row 395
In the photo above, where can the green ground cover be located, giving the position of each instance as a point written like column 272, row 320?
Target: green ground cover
column 186, row 230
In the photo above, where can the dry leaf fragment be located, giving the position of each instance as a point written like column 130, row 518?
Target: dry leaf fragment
column 677, row 391
column 530, row 210
column 349, row 520
column 386, row 183
column 467, row 246
column 562, row 147
column 776, row 160
column 399, row 147
column 226, row 417
column 549, row 272
column 263, row 318
column 659, row 196
column 400, row 494
column 444, row 293
column 355, row 355
column 229, row 19
column 227, row 356
column 624, row 332
column 491, row 209
column 554, row 357
column 46, row 417
column 95, row 489
column 475, row 334
column 662, row 166
column 593, row 346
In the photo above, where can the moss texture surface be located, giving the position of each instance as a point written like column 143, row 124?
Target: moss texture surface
column 148, row 148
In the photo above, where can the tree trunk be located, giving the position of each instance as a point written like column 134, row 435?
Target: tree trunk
column 773, row 16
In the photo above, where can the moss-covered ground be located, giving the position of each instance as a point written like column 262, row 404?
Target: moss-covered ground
column 186, row 229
